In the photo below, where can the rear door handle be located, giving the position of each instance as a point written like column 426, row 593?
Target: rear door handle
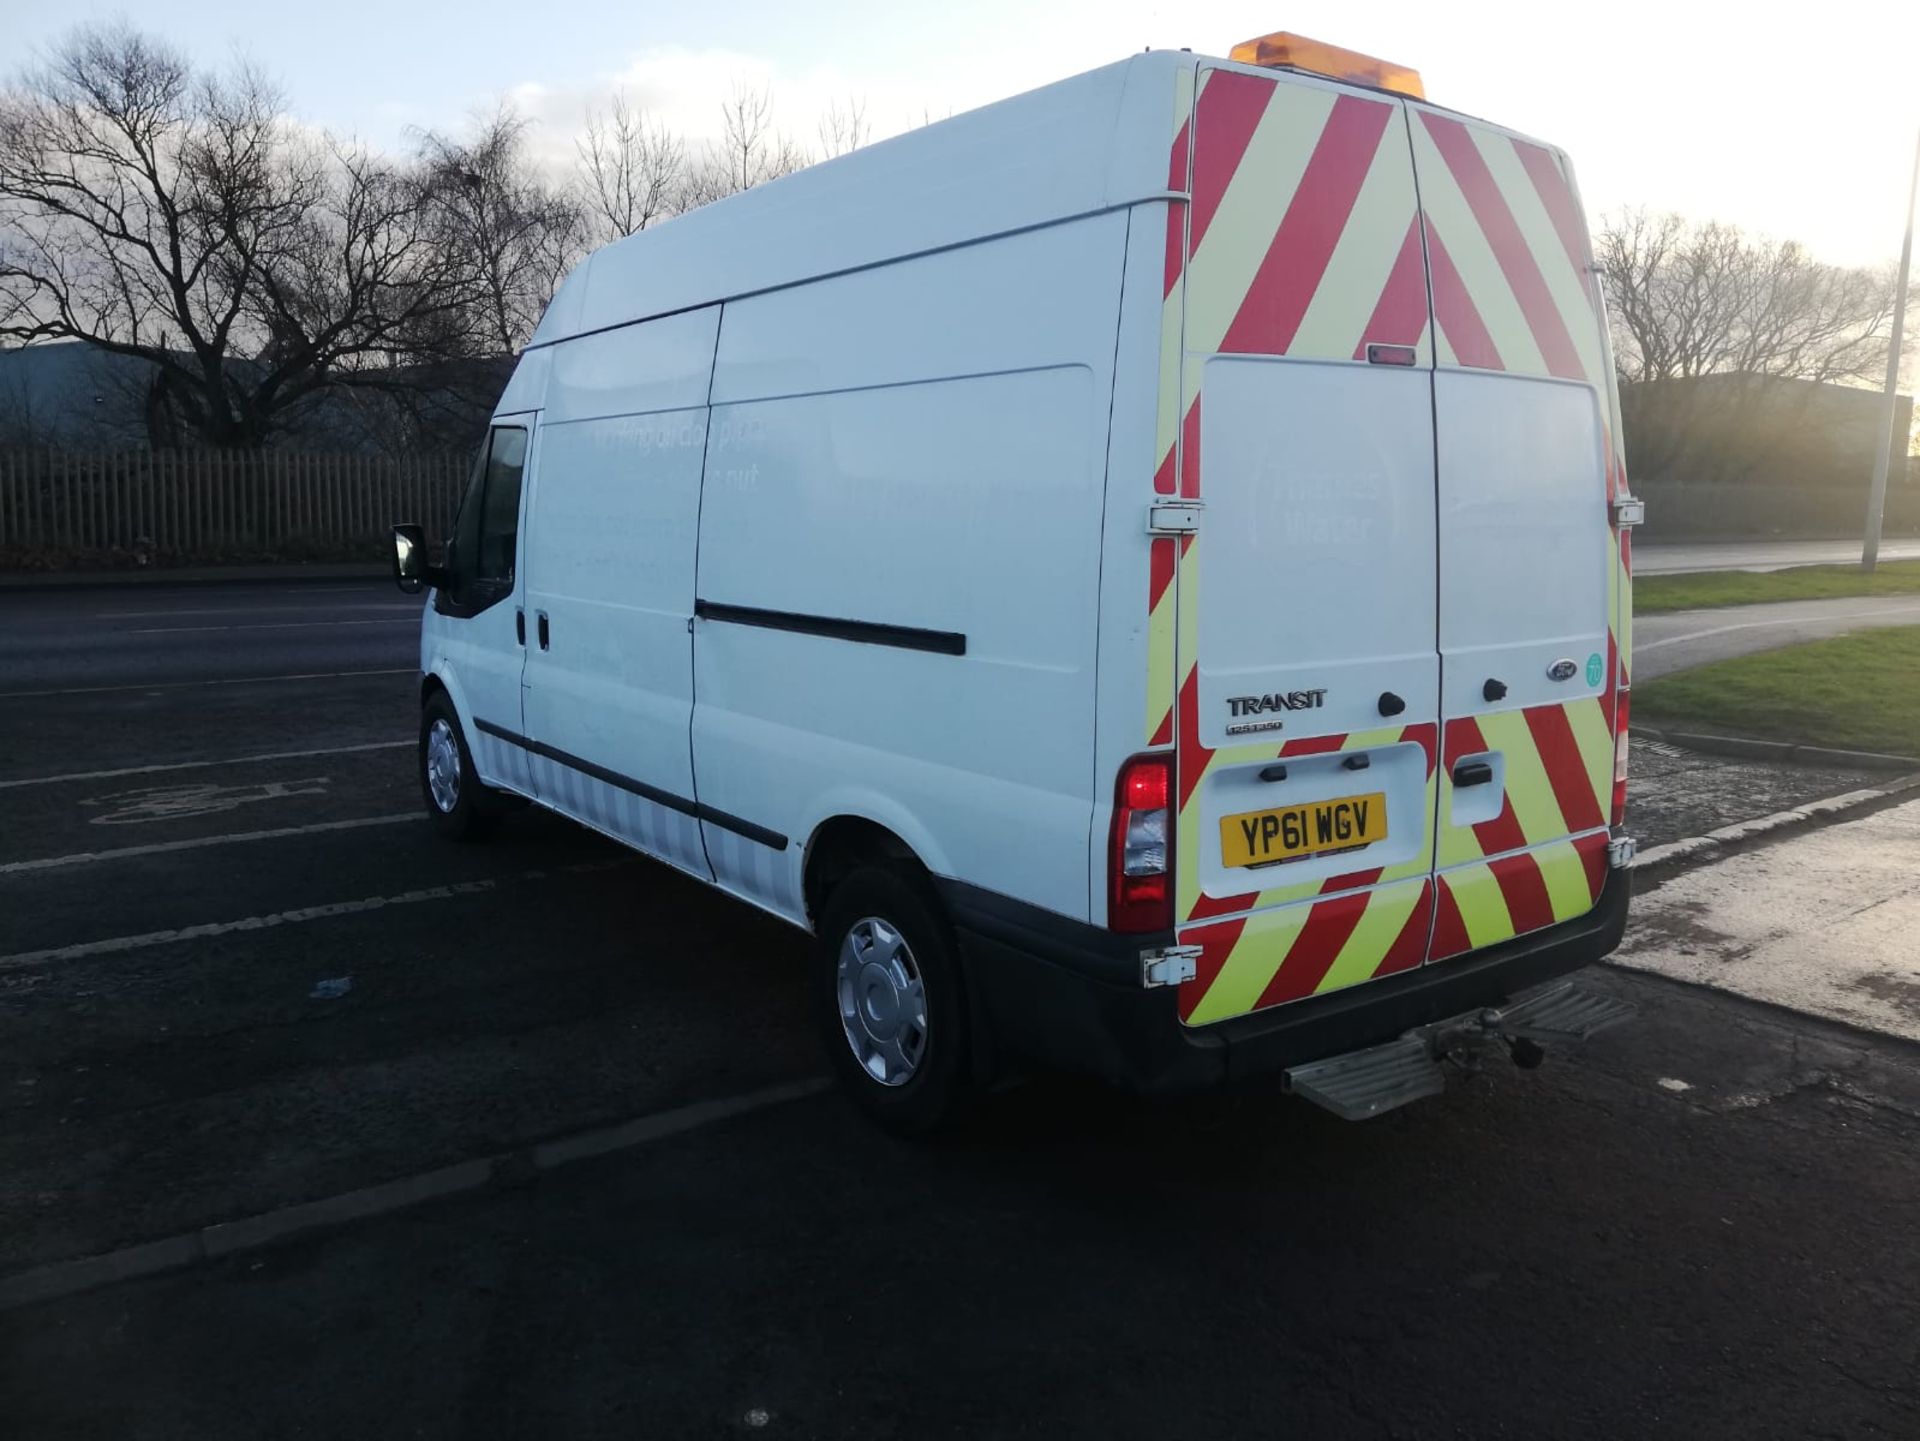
column 541, row 621
column 1472, row 773
column 520, row 626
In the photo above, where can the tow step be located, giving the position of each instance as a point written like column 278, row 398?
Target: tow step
column 1381, row 1078
column 1365, row 1083
column 1565, row 1013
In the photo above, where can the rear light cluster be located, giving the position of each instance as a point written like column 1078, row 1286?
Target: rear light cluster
column 1140, row 856
column 1622, row 699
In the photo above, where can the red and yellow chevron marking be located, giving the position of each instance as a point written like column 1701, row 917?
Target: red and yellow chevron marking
column 1513, row 291
column 1559, row 778
column 1488, row 902
column 1160, row 596
column 1304, row 238
column 1272, row 957
column 1511, row 288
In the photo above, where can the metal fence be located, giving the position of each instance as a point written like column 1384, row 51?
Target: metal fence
column 207, row 502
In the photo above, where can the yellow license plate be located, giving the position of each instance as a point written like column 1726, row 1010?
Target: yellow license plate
column 1291, row 833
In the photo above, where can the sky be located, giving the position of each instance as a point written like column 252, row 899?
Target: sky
column 1801, row 131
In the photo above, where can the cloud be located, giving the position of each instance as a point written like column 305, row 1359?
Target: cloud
column 684, row 89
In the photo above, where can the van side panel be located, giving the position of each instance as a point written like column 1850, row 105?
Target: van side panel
column 609, row 548
column 1530, row 569
column 919, row 447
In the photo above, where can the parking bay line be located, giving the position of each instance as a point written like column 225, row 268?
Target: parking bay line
column 505, row 1168
column 201, row 765
column 190, row 684
column 114, row 945
column 156, row 848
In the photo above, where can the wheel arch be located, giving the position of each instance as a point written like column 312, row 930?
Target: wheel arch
column 842, row 844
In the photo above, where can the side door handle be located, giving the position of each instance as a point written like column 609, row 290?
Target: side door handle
column 520, row 625
column 1472, row 773
column 544, row 635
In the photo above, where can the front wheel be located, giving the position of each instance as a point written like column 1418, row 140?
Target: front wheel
column 891, row 1002
column 460, row 805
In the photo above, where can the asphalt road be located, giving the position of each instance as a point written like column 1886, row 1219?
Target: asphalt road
column 1654, row 559
column 237, row 973
column 1676, row 640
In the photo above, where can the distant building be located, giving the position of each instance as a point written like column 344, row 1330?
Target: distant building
column 74, row 396
column 1747, row 455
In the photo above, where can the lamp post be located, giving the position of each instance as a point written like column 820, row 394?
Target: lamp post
column 1877, row 496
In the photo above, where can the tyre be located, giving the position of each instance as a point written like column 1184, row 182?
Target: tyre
column 891, row 1002
column 462, row 808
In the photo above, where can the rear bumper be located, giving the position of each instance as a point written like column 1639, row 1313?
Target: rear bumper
column 1069, row 995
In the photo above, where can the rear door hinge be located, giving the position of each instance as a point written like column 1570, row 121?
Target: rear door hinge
column 1629, row 511
column 1169, row 966
column 1174, row 517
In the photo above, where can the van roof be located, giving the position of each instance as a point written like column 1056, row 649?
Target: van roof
column 1095, row 142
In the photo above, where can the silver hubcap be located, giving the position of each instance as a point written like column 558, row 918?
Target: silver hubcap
column 443, row 767
column 883, row 1005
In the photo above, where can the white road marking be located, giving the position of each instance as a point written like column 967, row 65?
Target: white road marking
column 190, row 684
column 270, row 625
column 1674, row 1084
column 227, row 761
column 81, row 858
column 115, row 944
column 251, row 1233
column 1646, row 645
column 149, row 804
column 246, row 610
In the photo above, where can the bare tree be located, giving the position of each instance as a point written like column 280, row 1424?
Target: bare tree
column 1706, row 299
column 843, row 127
column 502, row 225
column 1709, row 321
column 181, row 219
column 632, row 170
column 749, row 152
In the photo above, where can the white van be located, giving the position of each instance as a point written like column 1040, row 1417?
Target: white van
column 1139, row 571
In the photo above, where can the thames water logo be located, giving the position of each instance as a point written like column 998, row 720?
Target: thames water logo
column 1594, row 668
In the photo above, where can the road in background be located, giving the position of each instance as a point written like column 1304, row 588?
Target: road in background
column 1651, row 558
column 1675, row 640
column 238, row 972
column 66, row 639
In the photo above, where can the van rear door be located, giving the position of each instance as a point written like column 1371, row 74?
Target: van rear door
column 1528, row 580
column 1308, row 691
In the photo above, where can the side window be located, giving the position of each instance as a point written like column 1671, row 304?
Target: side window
column 500, row 514
column 480, row 556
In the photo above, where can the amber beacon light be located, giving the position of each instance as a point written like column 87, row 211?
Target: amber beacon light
column 1284, row 51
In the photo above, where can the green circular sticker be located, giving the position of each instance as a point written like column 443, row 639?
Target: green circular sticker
column 1593, row 668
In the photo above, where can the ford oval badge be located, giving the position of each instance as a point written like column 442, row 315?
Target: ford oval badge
column 1562, row 669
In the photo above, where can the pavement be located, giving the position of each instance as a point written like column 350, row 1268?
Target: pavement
column 1676, row 640
column 1651, row 558
column 239, row 974
column 1824, row 925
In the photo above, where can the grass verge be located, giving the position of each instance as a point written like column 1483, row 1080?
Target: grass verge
column 1854, row 692
column 1655, row 593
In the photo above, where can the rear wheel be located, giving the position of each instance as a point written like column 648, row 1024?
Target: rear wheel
column 462, row 808
column 891, row 1003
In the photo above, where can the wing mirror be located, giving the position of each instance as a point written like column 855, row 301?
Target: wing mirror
column 412, row 570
